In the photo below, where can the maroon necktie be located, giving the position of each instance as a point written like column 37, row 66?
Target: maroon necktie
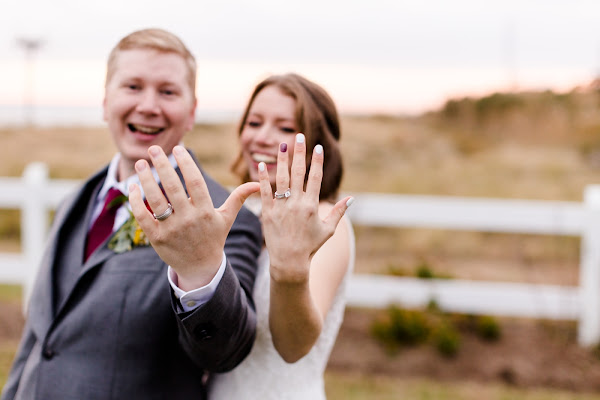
column 102, row 227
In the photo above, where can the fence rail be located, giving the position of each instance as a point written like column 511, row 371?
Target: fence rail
column 34, row 194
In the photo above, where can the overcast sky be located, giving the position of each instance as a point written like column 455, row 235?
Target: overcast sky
column 372, row 55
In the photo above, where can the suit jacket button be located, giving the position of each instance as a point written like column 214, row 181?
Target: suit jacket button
column 204, row 331
column 48, row 354
column 204, row 335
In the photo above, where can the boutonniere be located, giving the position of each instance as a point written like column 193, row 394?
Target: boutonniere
column 129, row 235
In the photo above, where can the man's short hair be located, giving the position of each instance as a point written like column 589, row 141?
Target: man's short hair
column 154, row 39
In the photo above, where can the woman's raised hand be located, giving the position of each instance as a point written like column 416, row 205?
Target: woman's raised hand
column 192, row 238
column 292, row 226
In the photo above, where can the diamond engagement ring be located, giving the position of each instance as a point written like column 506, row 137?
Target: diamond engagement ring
column 165, row 214
column 283, row 195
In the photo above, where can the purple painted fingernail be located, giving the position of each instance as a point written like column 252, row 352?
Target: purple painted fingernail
column 283, row 147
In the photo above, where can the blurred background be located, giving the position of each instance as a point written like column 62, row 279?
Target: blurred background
column 496, row 99
column 392, row 57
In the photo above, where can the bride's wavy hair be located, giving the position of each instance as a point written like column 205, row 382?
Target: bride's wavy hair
column 316, row 117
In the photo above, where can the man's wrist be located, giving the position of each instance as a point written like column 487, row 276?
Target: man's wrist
column 193, row 298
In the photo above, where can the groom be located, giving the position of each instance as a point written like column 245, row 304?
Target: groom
column 108, row 318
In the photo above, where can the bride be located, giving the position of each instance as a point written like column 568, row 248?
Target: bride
column 309, row 254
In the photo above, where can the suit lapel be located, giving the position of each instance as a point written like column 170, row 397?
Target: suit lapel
column 99, row 256
column 69, row 265
column 41, row 305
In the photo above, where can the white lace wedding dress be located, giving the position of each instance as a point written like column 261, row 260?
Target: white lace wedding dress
column 264, row 374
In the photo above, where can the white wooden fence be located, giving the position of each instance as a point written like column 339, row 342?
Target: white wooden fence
column 35, row 194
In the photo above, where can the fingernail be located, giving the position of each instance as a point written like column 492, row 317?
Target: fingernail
column 153, row 150
column 140, row 165
column 178, row 150
column 300, row 138
column 283, row 147
column 319, row 149
column 132, row 187
column 350, row 201
column 261, row 166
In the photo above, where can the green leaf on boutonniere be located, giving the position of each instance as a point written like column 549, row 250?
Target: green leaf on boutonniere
column 117, row 201
column 128, row 236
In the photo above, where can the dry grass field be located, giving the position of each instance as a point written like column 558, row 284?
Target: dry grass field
column 529, row 146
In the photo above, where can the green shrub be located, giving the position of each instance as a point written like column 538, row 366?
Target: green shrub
column 488, row 328
column 433, row 306
column 395, row 270
column 401, row 327
column 424, row 271
column 446, row 340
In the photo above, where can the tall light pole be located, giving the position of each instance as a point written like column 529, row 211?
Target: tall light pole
column 31, row 46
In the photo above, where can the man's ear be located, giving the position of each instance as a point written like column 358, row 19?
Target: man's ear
column 104, row 117
column 192, row 116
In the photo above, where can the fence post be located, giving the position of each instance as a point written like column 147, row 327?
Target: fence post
column 34, row 221
column 589, row 274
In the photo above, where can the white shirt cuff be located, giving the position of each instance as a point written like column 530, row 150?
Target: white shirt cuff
column 195, row 298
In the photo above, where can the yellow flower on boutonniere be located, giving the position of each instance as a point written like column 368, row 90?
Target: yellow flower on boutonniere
column 129, row 235
column 139, row 238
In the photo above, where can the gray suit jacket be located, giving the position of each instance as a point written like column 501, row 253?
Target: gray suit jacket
column 108, row 328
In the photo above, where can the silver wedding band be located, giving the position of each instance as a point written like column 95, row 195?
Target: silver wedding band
column 283, row 195
column 166, row 214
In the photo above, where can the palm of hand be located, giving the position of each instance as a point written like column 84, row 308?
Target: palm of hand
column 294, row 231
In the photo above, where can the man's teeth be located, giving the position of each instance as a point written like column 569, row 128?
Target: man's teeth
column 146, row 129
column 264, row 158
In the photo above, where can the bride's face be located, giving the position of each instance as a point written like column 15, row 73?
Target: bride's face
column 270, row 122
